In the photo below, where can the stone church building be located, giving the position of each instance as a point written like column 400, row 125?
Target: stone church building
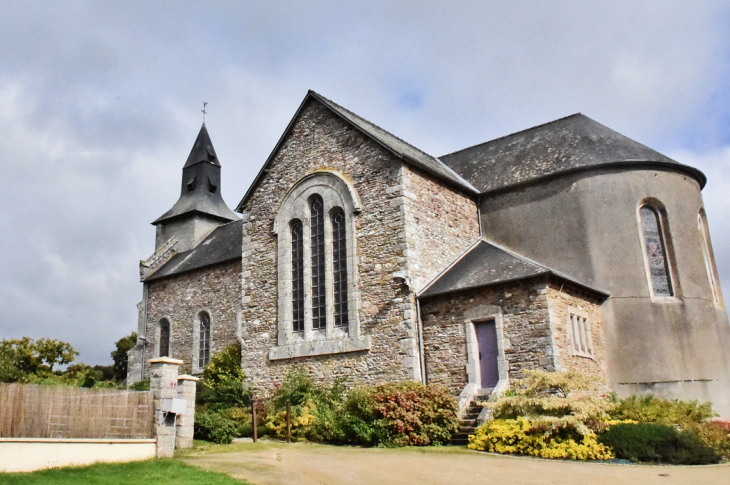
column 357, row 255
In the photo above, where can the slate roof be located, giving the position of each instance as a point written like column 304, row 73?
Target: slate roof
column 405, row 151
column 565, row 145
column 200, row 200
column 221, row 245
column 202, row 150
column 486, row 264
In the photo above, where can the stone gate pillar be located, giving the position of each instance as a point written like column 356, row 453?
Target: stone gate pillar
column 164, row 385
column 186, row 385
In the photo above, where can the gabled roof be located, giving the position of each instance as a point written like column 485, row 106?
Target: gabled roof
column 221, row 245
column 569, row 144
column 406, row 152
column 486, row 264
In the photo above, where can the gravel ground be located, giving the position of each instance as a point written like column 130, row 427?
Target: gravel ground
column 273, row 463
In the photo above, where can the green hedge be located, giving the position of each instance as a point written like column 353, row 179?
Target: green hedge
column 649, row 442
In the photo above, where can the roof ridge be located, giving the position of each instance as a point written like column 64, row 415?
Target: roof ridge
column 373, row 124
column 448, row 267
column 546, row 268
column 378, row 127
column 516, row 133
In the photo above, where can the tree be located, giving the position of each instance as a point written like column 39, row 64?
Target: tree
column 23, row 360
column 54, row 352
column 123, row 345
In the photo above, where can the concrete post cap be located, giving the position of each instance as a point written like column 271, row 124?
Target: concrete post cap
column 165, row 360
column 187, row 377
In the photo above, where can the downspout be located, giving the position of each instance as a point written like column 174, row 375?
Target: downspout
column 424, row 379
column 145, row 291
column 479, row 214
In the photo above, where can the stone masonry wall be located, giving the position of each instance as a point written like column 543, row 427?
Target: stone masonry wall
column 560, row 297
column 319, row 139
column 534, row 319
column 526, row 326
column 440, row 224
column 180, row 298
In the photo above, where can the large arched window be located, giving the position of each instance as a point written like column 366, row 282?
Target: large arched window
column 164, row 338
column 655, row 250
column 704, row 232
column 317, row 277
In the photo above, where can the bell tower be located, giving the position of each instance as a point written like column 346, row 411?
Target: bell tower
column 200, row 208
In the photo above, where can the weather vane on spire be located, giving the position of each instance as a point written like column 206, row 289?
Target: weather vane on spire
column 205, row 103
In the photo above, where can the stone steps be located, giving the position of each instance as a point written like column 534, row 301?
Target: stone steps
column 469, row 420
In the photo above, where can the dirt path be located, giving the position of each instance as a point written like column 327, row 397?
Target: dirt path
column 308, row 464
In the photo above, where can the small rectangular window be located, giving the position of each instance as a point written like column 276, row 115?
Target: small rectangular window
column 581, row 341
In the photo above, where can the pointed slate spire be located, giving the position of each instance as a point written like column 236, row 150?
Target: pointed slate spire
column 201, row 204
column 203, row 150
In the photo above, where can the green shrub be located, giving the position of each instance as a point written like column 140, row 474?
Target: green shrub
column 143, row 385
column 214, row 426
column 387, row 415
column 689, row 416
column 649, row 409
column 657, row 443
column 222, row 385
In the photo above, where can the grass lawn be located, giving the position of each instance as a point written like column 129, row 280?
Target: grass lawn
column 139, row 472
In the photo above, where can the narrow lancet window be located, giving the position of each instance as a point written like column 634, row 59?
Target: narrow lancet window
column 164, row 338
column 297, row 275
column 316, row 224
column 339, row 267
column 204, row 340
column 656, row 252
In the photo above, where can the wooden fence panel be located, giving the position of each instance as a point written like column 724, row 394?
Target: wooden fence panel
column 34, row 411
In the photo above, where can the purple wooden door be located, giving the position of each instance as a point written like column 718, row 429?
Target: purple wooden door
column 487, row 343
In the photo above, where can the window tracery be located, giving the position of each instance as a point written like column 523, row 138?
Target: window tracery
column 317, row 275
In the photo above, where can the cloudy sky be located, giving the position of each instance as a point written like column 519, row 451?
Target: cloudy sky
column 100, row 104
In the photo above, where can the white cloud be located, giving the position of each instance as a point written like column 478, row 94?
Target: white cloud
column 99, row 106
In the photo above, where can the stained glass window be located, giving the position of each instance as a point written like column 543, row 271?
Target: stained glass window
column 204, row 340
column 316, row 225
column 297, row 275
column 164, row 338
column 656, row 253
column 339, row 267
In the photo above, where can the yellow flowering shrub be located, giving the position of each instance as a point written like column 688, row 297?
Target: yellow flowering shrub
column 301, row 418
column 521, row 437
